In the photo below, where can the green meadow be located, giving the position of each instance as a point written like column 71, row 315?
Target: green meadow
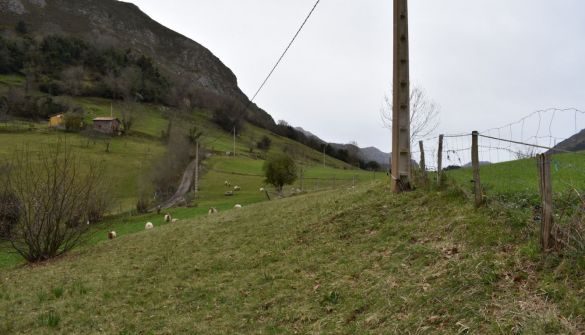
column 361, row 261
column 520, row 177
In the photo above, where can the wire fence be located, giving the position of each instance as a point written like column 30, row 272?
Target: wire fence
column 534, row 165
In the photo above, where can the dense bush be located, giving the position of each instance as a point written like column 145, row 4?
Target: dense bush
column 264, row 143
column 73, row 120
column 372, row 166
column 19, row 105
column 227, row 121
column 60, row 65
column 280, row 170
column 142, row 205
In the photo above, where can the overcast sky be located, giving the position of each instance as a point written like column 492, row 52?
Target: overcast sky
column 485, row 62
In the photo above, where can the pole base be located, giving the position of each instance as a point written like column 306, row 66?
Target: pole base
column 402, row 184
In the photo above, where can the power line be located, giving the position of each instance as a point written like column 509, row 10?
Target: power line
column 285, row 51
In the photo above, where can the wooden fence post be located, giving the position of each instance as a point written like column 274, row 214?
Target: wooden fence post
column 475, row 165
column 302, row 180
column 546, row 238
column 440, row 162
column 423, row 165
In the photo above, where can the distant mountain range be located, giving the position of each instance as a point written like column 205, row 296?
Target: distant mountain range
column 573, row 143
column 366, row 154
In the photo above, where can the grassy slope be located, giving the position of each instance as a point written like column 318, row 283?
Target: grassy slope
column 364, row 262
column 128, row 157
column 131, row 157
column 129, row 160
column 521, row 176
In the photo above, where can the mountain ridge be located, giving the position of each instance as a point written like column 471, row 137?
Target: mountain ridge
column 573, row 143
column 112, row 23
column 366, row 154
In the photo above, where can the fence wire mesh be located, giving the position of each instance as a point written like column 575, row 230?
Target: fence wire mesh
column 508, row 169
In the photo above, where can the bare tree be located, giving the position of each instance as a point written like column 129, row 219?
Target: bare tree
column 424, row 114
column 56, row 197
column 130, row 114
column 114, row 84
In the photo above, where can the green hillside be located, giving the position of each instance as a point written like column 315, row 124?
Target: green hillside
column 132, row 155
column 517, row 179
column 361, row 262
column 130, row 159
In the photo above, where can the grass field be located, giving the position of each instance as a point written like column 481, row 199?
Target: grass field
column 336, row 262
column 130, row 159
column 520, row 178
column 127, row 159
column 211, row 194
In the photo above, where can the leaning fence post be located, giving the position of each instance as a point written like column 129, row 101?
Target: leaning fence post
column 423, row 166
column 440, row 162
column 546, row 240
column 475, row 164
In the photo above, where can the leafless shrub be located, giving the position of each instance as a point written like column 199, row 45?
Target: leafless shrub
column 56, row 197
column 527, row 153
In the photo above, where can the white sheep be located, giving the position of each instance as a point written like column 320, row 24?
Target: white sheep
column 112, row 235
column 262, row 189
column 175, row 220
column 212, row 210
column 168, row 217
column 237, row 188
column 148, row 226
column 238, row 206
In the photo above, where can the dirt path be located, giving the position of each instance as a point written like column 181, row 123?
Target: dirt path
column 179, row 196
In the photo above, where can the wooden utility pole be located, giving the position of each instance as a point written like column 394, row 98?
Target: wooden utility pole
column 475, row 164
column 423, row 164
column 302, row 179
column 401, row 165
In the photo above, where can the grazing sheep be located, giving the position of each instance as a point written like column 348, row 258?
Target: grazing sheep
column 168, row 217
column 238, row 206
column 262, row 189
column 112, row 235
column 175, row 220
column 237, row 188
column 229, row 193
column 212, row 210
column 148, row 226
